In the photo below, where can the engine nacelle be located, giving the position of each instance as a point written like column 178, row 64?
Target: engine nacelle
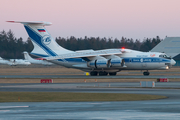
column 116, row 62
column 99, row 63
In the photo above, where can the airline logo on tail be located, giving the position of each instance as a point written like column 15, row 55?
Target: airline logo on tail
column 46, row 40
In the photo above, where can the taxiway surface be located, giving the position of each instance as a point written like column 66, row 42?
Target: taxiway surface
column 81, row 87
column 155, row 109
column 91, row 77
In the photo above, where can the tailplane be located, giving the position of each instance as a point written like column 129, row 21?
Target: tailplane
column 44, row 44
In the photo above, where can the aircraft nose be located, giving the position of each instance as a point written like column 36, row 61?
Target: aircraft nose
column 173, row 62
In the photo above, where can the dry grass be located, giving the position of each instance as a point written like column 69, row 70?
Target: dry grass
column 37, row 69
column 58, row 70
column 72, row 97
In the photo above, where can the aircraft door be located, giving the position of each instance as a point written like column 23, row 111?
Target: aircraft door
column 130, row 60
column 143, row 64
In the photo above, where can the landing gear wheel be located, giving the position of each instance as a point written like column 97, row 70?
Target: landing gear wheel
column 146, row 73
column 113, row 73
column 103, row 73
column 94, row 73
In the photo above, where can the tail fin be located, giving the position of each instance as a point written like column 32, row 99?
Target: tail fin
column 26, row 56
column 44, row 44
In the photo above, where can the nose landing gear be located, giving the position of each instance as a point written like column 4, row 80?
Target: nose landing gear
column 146, row 73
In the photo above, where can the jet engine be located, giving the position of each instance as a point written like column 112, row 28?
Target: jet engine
column 116, row 62
column 99, row 63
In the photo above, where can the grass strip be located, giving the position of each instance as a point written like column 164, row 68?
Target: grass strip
column 72, row 97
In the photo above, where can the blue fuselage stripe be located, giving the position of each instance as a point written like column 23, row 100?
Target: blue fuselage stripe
column 147, row 60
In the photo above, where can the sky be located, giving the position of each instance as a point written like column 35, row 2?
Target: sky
column 136, row 19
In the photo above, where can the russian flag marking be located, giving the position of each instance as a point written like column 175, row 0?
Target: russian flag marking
column 41, row 30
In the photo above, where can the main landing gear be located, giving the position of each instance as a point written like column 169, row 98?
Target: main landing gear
column 102, row 73
column 146, row 73
column 93, row 73
column 112, row 73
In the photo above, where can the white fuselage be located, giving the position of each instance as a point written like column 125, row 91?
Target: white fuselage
column 134, row 60
column 40, row 62
column 14, row 62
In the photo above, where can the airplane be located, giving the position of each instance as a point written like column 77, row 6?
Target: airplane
column 35, row 61
column 96, row 62
column 14, row 62
column 4, row 62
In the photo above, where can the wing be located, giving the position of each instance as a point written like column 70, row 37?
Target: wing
column 87, row 54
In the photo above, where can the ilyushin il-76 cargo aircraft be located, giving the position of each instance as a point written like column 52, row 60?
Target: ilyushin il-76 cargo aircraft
column 96, row 62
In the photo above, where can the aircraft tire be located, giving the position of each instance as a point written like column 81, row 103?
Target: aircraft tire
column 103, row 73
column 112, row 73
column 94, row 73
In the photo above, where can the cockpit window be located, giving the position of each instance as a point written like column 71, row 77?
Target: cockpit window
column 164, row 56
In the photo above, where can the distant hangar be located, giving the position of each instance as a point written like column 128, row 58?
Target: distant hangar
column 170, row 46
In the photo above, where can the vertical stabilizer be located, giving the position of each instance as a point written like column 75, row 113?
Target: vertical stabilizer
column 27, row 56
column 44, row 44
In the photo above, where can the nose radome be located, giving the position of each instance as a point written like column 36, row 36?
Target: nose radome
column 173, row 62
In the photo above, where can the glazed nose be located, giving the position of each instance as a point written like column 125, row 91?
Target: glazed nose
column 173, row 62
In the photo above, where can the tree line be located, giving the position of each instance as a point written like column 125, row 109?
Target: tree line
column 12, row 47
column 97, row 43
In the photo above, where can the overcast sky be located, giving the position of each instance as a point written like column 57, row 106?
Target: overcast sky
column 137, row 19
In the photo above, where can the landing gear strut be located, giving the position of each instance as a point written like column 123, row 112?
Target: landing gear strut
column 146, row 73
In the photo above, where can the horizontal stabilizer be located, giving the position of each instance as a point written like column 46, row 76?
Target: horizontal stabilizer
column 32, row 22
